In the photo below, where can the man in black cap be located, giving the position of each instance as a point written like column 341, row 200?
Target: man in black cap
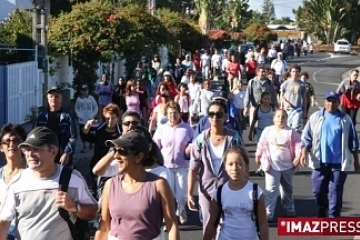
column 37, row 193
column 230, row 123
column 61, row 122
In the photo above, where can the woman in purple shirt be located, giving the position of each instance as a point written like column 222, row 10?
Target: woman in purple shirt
column 173, row 139
column 135, row 202
column 104, row 90
column 132, row 97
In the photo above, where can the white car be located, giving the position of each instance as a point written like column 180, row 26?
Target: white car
column 342, row 46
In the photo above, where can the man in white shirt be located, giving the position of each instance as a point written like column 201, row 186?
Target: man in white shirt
column 280, row 66
column 205, row 64
column 215, row 63
column 34, row 199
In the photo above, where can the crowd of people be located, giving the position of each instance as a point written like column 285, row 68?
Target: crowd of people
column 157, row 134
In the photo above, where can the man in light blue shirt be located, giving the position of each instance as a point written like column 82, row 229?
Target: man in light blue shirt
column 330, row 143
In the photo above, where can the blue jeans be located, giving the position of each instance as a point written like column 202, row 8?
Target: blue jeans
column 328, row 187
column 11, row 233
column 258, row 134
column 295, row 119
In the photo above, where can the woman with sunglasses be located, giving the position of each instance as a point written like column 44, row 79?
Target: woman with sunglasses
column 11, row 136
column 110, row 129
column 207, row 156
column 174, row 139
column 135, row 201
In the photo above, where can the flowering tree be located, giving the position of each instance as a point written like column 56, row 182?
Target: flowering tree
column 257, row 32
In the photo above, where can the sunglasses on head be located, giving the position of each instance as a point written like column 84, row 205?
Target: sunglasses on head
column 125, row 151
column 217, row 114
column 134, row 123
column 14, row 140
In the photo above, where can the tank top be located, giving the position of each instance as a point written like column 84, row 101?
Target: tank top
column 265, row 119
column 138, row 215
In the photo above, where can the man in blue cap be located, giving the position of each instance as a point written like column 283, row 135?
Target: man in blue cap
column 330, row 145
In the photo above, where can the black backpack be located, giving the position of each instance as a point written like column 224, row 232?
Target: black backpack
column 254, row 216
column 80, row 230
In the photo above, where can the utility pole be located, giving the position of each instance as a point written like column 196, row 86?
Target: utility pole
column 40, row 16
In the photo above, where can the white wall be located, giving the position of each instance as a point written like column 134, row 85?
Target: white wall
column 7, row 6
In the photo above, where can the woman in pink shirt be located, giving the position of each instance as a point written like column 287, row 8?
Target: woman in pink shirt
column 278, row 152
column 233, row 71
column 173, row 139
column 132, row 97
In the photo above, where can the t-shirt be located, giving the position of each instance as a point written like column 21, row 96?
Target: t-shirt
column 331, row 135
column 31, row 200
column 133, row 103
column 216, row 153
column 205, row 100
column 238, row 210
column 205, row 60
column 216, row 61
column 293, row 92
column 238, row 98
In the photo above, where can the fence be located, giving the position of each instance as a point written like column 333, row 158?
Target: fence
column 20, row 89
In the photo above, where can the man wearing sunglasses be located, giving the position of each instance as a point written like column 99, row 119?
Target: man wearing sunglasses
column 34, row 199
column 230, row 123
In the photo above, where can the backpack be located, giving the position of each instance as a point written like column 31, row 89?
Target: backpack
column 79, row 230
column 254, row 216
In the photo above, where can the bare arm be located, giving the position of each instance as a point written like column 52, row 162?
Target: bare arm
column 104, row 163
column 262, row 218
column 153, row 121
column 104, row 225
column 4, row 228
column 168, row 208
column 211, row 226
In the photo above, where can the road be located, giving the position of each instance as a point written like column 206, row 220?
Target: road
column 325, row 74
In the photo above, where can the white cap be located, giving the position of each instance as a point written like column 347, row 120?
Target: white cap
column 167, row 73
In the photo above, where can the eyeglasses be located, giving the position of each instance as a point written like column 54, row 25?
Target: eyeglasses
column 33, row 150
column 13, row 140
column 217, row 114
column 125, row 151
column 133, row 123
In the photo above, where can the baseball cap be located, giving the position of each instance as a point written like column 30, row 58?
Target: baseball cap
column 220, row 96
column 133, row 140
column 39, row 137
column 334, row 95
column 167, row 73
column 84, row 86
column 54, row 89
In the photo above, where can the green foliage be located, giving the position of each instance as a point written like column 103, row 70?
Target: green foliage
column 15, row 32
column 333, row 18
column 257, row 32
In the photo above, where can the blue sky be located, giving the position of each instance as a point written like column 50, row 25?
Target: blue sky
column 283, row 8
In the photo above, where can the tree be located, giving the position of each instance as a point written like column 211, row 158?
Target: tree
column 15, row 32
column 257, row 32
column 268, row 10
column 330, row 17
column 235, row 15
column 95, row 31
column 283, row 20
column 208, row 10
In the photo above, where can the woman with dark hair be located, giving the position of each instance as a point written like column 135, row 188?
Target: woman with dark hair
column 159, row 117
column 169, row 81
column 143, row 97
column 11, row 136
column 119, row 95
column 207, row 155
column 104, row 89
column 149, row 197
column 132, row 97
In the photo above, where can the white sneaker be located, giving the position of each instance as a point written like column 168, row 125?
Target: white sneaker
column 183, row 217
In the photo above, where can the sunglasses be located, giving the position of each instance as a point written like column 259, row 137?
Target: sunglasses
column 14, row 140
column 217, row 114
column 134, row 123
column 125, row 151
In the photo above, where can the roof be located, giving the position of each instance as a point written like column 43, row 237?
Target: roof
column 282, row 27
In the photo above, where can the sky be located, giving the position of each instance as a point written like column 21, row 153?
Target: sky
column 283, row 8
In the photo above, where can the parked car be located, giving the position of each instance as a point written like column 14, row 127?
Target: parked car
column 342, row 46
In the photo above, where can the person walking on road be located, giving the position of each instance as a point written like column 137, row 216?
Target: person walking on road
column 226, row 199
column 330, row 143
column 206, row 159
column 350, row 95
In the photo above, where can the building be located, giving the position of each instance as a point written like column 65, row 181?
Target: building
column 7, row 6
column 286, row 32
